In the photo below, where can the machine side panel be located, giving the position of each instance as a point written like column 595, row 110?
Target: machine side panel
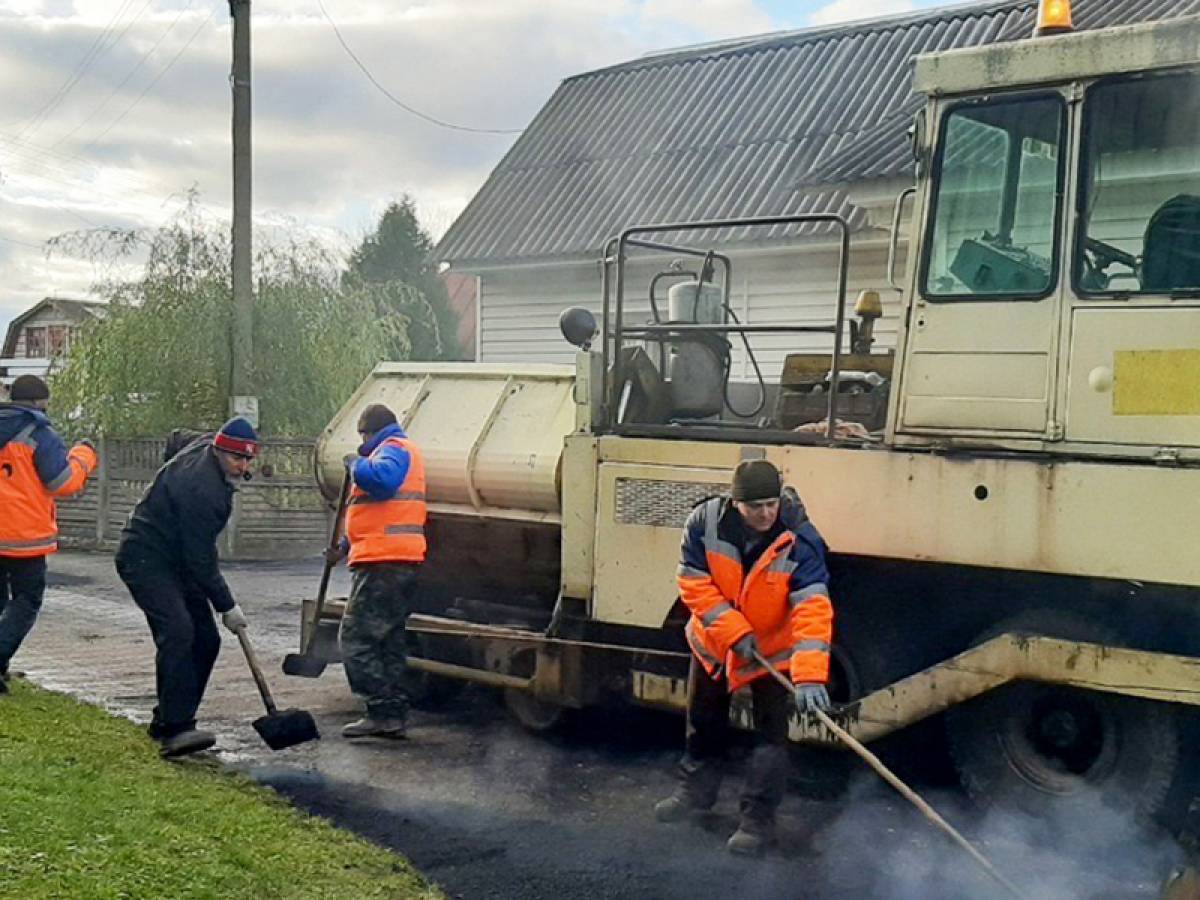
column 1099, row 520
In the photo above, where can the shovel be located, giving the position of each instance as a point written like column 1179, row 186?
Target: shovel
column 308, row 664
column 891, row 778
column 278, row 729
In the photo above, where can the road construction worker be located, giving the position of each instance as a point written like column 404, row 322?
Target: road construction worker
column 385, row 541
column 167, row 558
column 753, row 577
column 35, row 468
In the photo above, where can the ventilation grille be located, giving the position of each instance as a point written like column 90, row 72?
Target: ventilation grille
column 662, row 504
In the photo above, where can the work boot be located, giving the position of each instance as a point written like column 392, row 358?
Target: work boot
column 752, row 837
column 191, row 741
column 369, row 726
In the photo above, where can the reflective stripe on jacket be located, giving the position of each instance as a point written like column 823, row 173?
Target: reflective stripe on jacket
column 35, row 468
column 390, row 529
column 783, row 598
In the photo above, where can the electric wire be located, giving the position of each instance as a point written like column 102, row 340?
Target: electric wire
column 129, row 75
column 396, row 100
column 98, row 48
column 163, row 71
column 22, row 243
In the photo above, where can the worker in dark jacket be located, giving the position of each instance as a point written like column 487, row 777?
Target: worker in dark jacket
column 385, row 539
column 168, row 559
column 753, row 576
column 35, row 468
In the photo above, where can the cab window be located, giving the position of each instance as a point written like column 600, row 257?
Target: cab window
column 998, row 190
column 1139, row 202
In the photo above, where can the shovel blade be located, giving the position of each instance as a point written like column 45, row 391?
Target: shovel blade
column 286, row 728
column 322, row 650
column 304, row 666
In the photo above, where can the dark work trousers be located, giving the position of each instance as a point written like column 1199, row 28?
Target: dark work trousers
column 372, row 636
column 707, row 739
column 22, row 585
column 185, row 635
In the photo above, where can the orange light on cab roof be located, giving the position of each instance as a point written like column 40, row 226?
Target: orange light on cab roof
column 1054, row 17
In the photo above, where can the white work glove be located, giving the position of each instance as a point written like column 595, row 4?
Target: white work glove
column 234, row 619
column 746, row 647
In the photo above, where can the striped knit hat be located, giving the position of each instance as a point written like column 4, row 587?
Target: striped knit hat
column 237, row 436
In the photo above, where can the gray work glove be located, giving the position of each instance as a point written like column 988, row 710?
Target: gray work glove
column 234, row 619
column 812, row 697
column 746, row 647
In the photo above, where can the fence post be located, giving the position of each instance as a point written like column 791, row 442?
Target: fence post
column 102, row 480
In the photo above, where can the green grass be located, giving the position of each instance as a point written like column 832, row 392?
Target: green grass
column 88, row 810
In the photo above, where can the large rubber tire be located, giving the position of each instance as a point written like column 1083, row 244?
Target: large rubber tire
column 1044, row 747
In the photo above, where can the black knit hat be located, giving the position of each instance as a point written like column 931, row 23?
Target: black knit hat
column 27, row 388
column 375, row 417
column 756, row 479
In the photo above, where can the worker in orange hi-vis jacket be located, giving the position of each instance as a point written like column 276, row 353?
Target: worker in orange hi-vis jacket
column 753, row 576
column 35, row 468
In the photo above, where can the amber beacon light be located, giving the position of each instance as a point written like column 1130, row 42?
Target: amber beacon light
column 1054, row 17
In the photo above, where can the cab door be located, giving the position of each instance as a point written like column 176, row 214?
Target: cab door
column 982, row 328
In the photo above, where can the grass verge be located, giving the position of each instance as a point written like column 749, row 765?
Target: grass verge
column 88, row 810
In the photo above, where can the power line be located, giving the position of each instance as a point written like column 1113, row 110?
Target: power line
column 22, row 243
column 97, row 49
column 404, row 106
column 46, row 168
column 124, row 81
column 163, row 71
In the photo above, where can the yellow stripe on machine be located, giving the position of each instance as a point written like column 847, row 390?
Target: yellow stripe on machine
column 1156, row 383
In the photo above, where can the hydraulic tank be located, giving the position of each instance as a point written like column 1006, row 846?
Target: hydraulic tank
column 492, row 436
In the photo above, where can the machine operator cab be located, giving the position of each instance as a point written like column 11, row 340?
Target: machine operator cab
column 1056, row 296
column 1052, row 299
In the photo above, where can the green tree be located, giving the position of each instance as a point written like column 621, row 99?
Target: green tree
column 396, row 255
column 160, row 358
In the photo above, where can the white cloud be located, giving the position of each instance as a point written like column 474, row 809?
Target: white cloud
column 329, row 150
column 851, row 10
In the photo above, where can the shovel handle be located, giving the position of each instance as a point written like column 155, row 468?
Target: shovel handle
column 334, row 540
column 891, row 778
column 255, row 670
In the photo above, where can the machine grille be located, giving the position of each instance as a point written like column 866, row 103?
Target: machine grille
column 662, row 504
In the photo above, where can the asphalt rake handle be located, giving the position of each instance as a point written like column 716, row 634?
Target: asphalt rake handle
column 891, row 778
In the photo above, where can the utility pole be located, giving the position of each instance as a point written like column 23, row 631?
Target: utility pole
column 243, row 400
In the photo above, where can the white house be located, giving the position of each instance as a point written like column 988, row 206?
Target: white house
column 802, row 121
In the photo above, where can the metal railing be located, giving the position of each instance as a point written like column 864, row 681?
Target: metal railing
column 615, row 332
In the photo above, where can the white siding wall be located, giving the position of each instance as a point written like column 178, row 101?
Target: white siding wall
column 520, row 307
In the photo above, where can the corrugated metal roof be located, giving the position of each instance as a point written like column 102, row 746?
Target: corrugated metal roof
column 730, row 129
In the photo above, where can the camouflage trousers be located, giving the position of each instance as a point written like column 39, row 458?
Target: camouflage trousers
column 373, row 639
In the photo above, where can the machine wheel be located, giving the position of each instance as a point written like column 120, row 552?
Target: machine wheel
column 1038, row 747
column 823, row 773
column 538, row 716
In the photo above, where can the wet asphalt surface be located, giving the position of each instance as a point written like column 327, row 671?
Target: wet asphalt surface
column 487, row 810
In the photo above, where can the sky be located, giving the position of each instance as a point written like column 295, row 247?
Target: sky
column 114, row 109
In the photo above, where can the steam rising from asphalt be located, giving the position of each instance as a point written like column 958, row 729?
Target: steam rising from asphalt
column 1089, row 851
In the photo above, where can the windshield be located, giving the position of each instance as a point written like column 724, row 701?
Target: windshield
column 1140, row 198
column 998, row 190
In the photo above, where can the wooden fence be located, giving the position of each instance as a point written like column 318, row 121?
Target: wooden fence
column 280, row 516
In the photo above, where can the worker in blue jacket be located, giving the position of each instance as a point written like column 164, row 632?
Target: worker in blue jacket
column 385, row 542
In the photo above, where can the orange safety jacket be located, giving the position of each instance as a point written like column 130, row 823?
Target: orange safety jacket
column 783, row 599
column 390, row 529
column 34, row 469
